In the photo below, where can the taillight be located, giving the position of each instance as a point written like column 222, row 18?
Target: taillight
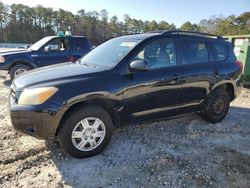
column 239, row 64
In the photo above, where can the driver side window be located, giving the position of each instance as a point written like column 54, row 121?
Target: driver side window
column 58, row 44
column 158, row 54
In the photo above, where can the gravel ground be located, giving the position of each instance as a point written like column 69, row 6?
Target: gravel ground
column 182, row 152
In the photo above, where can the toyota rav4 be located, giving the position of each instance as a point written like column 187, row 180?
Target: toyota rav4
column 130, row 79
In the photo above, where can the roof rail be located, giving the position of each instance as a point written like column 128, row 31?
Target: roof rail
column 157, row 31
column 177, row 31
column 191, row 33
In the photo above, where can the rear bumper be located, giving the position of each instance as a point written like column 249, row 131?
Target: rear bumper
column 40, row 121
column 238, row 87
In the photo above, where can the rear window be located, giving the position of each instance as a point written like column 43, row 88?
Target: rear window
column 220, row 51
column 194, row 52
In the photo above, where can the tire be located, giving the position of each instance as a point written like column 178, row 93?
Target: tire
column 81, row 121
column 217, row 106
column 18, row 68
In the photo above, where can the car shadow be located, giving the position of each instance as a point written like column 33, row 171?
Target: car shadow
column 7, row 83
column 247, row 86
column 139, row 154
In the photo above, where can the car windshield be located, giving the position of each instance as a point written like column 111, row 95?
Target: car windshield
column 110, row 53
column 39, row 43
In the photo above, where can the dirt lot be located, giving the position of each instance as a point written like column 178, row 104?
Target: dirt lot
column 183, row 152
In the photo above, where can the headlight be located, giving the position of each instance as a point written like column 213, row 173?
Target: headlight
column 2, row 59
column 36, row 96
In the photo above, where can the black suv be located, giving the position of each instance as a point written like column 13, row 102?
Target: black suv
column 47, row 51
column 129, row 79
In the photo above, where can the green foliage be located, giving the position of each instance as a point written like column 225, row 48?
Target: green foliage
column 188, row 26
column 231, row 25
column 24, row 24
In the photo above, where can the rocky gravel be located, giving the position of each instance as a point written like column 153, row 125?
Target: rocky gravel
column 181, row 152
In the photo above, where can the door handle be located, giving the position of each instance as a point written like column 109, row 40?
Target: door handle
column 172, row 79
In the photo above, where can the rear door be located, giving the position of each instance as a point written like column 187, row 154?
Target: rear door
column 200, row 71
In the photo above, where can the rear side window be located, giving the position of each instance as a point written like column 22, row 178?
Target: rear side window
column 221, row 51
column 81, row 44
column 194, row 52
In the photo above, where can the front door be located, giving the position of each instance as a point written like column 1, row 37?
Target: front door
column 151, row 94
column 59, row 52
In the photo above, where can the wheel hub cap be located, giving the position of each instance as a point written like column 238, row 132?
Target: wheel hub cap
column 19, row 71
column 218, row 106
column 88, row 134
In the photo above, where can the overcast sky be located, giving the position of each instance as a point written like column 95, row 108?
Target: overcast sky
column 172, row 11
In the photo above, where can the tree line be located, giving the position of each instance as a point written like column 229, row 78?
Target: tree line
column 23, row 24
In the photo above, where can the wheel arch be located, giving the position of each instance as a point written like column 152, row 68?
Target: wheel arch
column 21, row 62
column 106, row 104
column 227, row 86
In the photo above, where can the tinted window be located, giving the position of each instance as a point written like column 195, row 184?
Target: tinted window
column 220, row 51
column 81, row 44
column 160, row 53
column 194, row 52
column 58, row 44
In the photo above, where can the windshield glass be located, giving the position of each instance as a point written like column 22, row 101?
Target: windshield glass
column 111, row 52
column 39, row 43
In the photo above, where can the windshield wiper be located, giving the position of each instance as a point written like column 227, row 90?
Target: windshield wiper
column 86, row 64
column 93, row 65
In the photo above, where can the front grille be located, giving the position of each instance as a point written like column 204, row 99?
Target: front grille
column 14, row 93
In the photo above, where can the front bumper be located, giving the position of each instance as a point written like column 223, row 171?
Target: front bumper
column 4, row 73
column 4, row 66
column 40, row 121
column 4, row 70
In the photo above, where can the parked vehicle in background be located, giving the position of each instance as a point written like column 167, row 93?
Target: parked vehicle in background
column 47, row 51
column 129, row 79
column 241, row 45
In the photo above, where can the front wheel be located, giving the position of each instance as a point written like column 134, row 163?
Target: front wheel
column 217, row 106
column 85, row 132
column 17, row 70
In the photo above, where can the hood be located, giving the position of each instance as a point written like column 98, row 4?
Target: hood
column 13, row 51
column 55, row 73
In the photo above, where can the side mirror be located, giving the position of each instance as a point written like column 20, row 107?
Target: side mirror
column 47, row 49
column 139, row 65
column 27, row 46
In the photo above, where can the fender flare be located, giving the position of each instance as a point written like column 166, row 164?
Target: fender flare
column 21, row 62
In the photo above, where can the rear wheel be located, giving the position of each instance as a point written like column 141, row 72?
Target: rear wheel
column 217, row 106
column 86, row 132
column 17, row 70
